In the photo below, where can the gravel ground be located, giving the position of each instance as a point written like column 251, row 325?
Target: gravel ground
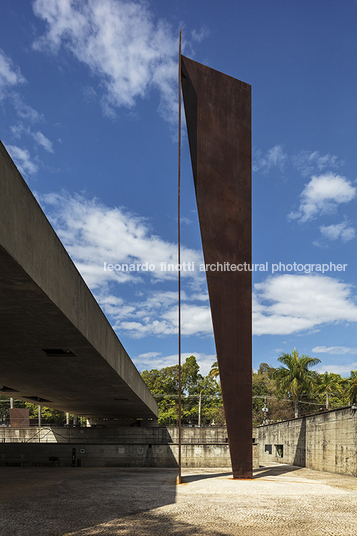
column 280, row 500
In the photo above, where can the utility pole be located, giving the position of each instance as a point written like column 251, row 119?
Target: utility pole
column 199, row 409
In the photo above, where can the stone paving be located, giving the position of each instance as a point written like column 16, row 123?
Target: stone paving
column 280, row 500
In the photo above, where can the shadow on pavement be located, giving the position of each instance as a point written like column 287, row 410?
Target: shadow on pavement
column 147, row 525
column 57, row 501
column 192, row 478
column 274, row 470
column 92, row 501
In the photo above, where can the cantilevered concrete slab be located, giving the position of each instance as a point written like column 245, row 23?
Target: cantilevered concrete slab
column 56, row 346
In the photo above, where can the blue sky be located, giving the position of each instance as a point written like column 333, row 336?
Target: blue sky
column 88, row 111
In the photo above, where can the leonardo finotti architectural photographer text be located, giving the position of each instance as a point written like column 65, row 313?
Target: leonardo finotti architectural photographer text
column 226, row 267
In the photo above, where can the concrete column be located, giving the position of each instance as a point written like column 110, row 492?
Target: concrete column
column 11, row 403
column 67, row 419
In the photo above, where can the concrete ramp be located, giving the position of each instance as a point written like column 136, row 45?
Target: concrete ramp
column 56, row 346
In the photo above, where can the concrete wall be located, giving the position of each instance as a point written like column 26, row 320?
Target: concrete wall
column 120, row 447
column 325, row 441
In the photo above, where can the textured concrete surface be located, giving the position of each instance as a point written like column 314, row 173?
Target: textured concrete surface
column 57, row 347
column 324, row 441
column 118, row 446
column 280, row 500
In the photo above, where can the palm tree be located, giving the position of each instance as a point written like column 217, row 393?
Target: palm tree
column 327, row 383
column 296, row 378
column 352, row 390
column 214, row 372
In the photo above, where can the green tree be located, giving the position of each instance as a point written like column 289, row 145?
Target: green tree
column 264, row 368
column 214, row 372
column 48, row 415
column 296, row 377
column 163, row 384
column 329, row 384
column 262, row 388
column 264, row 392
column 352, row 388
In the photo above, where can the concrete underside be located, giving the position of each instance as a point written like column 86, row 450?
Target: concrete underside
column 57, row 348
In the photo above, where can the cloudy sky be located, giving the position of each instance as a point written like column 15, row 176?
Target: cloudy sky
column 88, row 112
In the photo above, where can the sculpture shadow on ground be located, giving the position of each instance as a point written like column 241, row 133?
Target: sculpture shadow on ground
column 193, row 478
column 274, row 470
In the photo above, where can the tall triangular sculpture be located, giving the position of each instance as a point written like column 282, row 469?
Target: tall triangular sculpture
column 218, row 117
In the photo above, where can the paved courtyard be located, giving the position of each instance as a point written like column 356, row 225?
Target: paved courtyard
column 280, row 500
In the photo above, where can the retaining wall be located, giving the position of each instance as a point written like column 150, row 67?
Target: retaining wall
column 121, row 447
column 324, row 441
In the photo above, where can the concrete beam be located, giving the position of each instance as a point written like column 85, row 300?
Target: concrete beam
column 57, row 347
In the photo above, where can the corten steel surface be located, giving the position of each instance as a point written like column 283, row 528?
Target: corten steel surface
column 19, row 417
column 218, row 116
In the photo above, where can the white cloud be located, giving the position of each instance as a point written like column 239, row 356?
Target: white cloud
column 204, row 361
column 322, row 195
column 310, row 162
column 149, row 355
column 343, row 370
column 157, row 314
column 22, row 159
column 10, row 74
column 334, row 350
column 120, row 43
column 39, row 137
column 282, row 305
column 43, row 141
column 340, row 230
column 275, row 157
column 94, row 234
column 23, row 110
column 201, row 34
column 292, row 303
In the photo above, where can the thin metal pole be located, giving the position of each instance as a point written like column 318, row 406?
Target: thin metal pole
column 199, row 409
column 179, row 259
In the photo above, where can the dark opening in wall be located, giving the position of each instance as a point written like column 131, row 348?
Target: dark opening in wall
column 268, row 449
column 58, row 352
column 4, row 389
column 37, row 399
column 279, row 451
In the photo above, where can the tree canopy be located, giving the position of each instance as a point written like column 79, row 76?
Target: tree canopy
column 296, row 377
column 293, row 389
column 163, row 384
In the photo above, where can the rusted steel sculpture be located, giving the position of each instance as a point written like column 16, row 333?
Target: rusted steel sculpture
column 218, row 117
